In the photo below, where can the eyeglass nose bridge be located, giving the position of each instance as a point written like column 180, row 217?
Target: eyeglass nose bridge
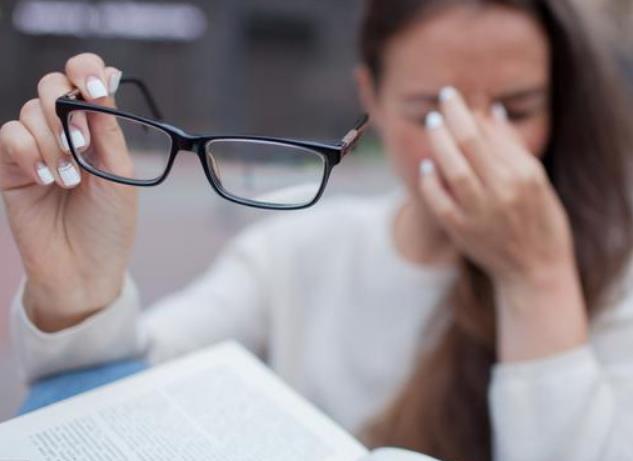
column 189, row 143
column 195, row 145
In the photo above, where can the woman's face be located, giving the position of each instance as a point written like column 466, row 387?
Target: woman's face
column 490, row 54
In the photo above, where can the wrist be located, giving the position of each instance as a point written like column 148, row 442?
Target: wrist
column 541, row 275
column 52, row 309
column 540, row 315
column 539, row 288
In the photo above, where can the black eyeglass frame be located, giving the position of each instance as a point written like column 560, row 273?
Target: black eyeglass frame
column 332, row 154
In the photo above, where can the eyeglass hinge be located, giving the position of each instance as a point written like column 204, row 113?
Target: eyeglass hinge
column 73, row 94
column 349, row 140
column 350, row 137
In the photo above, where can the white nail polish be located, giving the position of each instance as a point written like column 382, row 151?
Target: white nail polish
column 434, row 120
column 447, row 93
column 427, row 167
column 45, row 175
column 96, row 88
column 63, row 142
column 78, row 139
column 114, row 82
column 69, row 174
column 499, row 111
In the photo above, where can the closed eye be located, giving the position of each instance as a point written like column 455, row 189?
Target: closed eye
column 416, row 115
column 522, row 115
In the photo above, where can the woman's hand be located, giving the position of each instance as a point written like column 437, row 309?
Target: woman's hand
column 73, row 230
column 491, row 195
column 494, row 200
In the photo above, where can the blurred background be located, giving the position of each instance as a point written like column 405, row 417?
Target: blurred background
column 274, row 67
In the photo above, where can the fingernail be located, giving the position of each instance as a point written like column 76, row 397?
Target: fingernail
column 63, row 142
column 45, row 175
column 77, row 138
column 446, row 93
column 427, row 167
column 96, row 88
column 69, row 174
column 434, row 120
column 115, row 79
column 499, row 111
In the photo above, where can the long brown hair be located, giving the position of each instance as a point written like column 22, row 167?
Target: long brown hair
column 442, row 410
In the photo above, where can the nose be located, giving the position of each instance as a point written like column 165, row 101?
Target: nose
column 483, row 109
column 480, row 104
column 483, row 112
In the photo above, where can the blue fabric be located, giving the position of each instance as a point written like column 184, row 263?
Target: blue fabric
column 59, row 387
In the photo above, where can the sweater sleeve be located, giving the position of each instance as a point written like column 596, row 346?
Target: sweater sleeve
column 228, row 301
column 577, row 405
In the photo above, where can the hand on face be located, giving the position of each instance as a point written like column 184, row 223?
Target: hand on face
column 491, row 195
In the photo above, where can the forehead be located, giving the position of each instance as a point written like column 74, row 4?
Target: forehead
column 471, row 47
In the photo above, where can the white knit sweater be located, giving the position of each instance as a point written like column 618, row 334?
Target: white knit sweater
column 324, row 297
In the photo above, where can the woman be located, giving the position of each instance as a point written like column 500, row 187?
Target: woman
column 474, row 314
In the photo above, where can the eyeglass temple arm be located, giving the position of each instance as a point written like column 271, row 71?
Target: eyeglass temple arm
column 353, row 136
column 153, row 107
column 151, row 102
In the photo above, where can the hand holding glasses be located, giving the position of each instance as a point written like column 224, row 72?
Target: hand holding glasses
column 261, row 172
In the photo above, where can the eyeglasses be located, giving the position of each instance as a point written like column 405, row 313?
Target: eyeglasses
column 261, row 172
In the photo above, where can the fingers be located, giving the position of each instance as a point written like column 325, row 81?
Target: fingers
column 62, row 167
column 455, row 169
column 56, row 155
column 519, row 165
column 113, row 77
column 51, row 87
column 499, row 125
column 87, row 72
column 96, row 82
column 463, row 126
column 18, row 147
column 37, row 143
column 465, row 166
column 105, row 128
column 437, row 197
column 108, row 150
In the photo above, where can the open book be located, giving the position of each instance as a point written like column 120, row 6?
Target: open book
column 219, row 404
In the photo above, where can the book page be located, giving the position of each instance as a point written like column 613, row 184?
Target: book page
column 220, row 404
column 395, row 454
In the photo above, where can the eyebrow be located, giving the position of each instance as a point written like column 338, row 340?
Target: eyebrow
column 431, row 98
column 525, row 93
